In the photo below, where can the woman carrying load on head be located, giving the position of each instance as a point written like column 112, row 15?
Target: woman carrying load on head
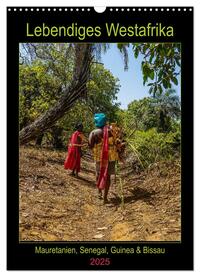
column 73, row 159
column 105, row 154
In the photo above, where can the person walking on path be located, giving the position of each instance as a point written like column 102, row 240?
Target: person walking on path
column 105, row 154
column 73, row 159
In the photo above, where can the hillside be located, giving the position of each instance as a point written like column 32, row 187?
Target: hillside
column 55, row 206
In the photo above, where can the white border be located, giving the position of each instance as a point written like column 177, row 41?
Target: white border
column 100, row 3
column 98, row 9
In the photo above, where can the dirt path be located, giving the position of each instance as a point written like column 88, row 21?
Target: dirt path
column 55, row 206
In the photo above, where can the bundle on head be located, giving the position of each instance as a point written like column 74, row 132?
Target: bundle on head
column 100, row 120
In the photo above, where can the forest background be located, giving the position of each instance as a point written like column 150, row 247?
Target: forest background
column 151, row 125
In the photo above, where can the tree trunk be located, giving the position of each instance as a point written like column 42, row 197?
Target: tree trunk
column 57, row 137
column 39, row 139
column 83, row 57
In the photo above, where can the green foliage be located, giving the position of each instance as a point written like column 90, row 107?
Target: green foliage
column 160, row 64
column 79, row 113
column 142, row 114
column 158, row 112
column 152, row 127
column 41, row 82
column 39, row 88
column 152, row 124
column 102, row 91
column 101, row 97
column 150, row 146
column 167, row 109
column 22, row 110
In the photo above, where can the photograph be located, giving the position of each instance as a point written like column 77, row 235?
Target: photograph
column 100, row 142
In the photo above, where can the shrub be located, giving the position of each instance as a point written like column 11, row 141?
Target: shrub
column 150, row 146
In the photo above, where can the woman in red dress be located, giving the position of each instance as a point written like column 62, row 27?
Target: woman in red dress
column 73, row 159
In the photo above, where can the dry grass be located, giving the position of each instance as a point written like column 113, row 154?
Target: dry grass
column 55, row 206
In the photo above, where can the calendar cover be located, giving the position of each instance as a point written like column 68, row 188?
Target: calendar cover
column 100, row 138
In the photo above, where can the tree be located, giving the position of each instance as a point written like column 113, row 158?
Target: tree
column 39, row 88
column 43, row 75
column 141, row 113
column 82, row 60
column 159, row 64
column 161, row 112
column 167, row 107
column 38, row 91
column 102, row 89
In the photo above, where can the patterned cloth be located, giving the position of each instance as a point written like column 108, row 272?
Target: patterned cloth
column 112, row 152
column 103, row 172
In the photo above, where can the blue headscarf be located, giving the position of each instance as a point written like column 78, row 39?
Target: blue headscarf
column 100, row 120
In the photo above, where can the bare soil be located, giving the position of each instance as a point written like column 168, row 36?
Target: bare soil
column 54, row 206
